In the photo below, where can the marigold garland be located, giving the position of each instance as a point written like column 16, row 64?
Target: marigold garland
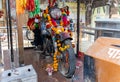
column 63, row 21
column 57, row 53
column 55, row 61
column 20, row 6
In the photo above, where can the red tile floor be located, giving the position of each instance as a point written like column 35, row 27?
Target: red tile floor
column 31, row 57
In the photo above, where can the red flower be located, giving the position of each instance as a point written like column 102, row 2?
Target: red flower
column 48, row 26
column 80, row 55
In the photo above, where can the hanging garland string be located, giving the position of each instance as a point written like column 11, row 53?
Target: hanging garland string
column 30, row 5
column 63, row 21
column 20, row 6
column 23, row 3
column 36, row 10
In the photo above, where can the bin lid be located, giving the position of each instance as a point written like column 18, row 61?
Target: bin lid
column 106, row 49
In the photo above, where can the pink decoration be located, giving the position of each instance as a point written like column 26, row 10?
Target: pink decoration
column 49, row 69
column 78, row 64
column 64, row 18
column 65, row 22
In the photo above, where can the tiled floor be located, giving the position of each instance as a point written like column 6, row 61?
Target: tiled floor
column 40, row 64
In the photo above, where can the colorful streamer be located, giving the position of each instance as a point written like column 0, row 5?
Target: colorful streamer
column 20, row 6
column 30, row 5
column 36, row 10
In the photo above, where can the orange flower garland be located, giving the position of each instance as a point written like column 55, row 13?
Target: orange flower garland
column 63, row 22
column 55, row 61
column 20, row 6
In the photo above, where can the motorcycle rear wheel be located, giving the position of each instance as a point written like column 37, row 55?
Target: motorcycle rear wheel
column 67, row 63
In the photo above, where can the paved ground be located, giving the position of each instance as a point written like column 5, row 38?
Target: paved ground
column 31, row 57
column 40, row 64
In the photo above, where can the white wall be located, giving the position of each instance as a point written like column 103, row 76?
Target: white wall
column 0, row 4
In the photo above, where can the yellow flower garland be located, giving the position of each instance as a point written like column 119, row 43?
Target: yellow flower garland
column 55, row 61
column 57, row 53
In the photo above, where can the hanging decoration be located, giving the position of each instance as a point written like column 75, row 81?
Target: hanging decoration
column 33, row 22
column 23, row 3
column 57, row 53
column 36, row 9
column 20, row 6
column 60, row 14
column 55, row 61
column 33, row 8
column 30, row 5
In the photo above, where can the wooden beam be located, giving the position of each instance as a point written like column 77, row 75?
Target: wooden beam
column 3, row 8
column 20, row 38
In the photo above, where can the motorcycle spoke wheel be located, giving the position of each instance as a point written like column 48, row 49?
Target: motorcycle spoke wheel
column 64, row 64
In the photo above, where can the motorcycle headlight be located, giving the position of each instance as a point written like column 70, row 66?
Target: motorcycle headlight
column 55, row 13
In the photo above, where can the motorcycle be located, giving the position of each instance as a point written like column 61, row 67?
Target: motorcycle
column 57, row 42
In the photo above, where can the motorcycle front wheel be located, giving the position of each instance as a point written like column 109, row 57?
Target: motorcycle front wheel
column 67, row 62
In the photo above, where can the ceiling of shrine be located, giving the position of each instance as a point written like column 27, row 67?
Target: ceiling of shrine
column 93, row 3
column 98, row 3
